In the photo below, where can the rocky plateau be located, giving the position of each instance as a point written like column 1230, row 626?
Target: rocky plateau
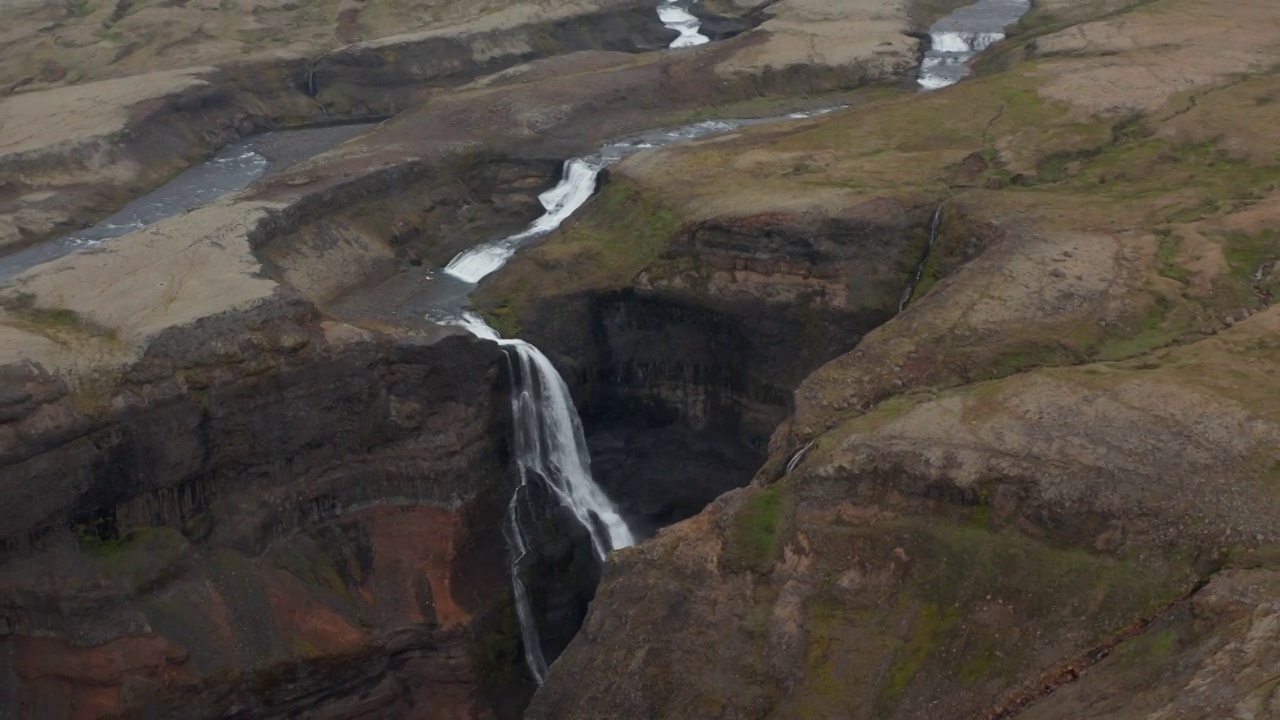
column 958, row 404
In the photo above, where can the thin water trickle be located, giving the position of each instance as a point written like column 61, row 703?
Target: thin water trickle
column 794, row 462
column 928, row 249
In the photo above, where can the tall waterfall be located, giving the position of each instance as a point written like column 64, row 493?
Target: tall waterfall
column 550, row 446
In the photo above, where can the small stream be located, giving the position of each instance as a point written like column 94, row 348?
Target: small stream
column 550, row 447
column 233, row 169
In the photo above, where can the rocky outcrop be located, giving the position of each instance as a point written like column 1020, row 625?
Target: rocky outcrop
column 1046, row 488
column 684, row 348
column 269, row 514
column 956, row 555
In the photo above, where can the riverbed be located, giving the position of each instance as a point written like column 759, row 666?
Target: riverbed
column 231, row 170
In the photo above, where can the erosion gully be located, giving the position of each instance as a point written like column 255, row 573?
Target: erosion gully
column 550, row 448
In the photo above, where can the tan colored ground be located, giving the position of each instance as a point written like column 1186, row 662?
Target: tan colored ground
column 832, row 33
column 67, row 115
column 73, row 41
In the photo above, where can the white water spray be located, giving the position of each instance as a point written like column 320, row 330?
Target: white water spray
column 794, row 462
column 549, row 445
column 679, row 18
column 957, row 38
column 559, row 202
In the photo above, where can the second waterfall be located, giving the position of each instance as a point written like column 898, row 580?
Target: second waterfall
column 549, row 445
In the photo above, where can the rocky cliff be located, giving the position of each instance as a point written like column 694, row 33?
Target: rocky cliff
column 260, row 501
column 1046, row 488
column 248, row 478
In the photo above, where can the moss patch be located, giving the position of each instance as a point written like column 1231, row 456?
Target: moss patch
column 756, row 527
column 620, row 232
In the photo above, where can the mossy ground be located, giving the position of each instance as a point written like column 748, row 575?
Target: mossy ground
column 971, row 611
column 621, row 231
column 756, row 527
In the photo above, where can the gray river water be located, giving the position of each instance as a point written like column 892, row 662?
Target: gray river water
column 955, row 40
column 233, row 169
column 550, row 446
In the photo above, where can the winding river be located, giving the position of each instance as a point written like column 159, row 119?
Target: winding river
column 549, row 444
column 233, row 169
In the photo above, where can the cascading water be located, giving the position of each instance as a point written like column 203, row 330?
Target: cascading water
column 678, row 18
column 794, row 462
column 957, row 38
column 549, row 442
column 575, row 188
column 924, row 259
column 559, row 202
column 549, row 445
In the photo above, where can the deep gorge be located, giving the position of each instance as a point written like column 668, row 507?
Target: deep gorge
column 915, row 404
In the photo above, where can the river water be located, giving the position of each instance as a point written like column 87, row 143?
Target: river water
column 233, row 169
column 548, row 433
column 959, row 37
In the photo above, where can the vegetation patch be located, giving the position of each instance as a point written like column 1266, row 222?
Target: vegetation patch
column 756, row 527
column 619, row 233
column 499, row 649
column 931, row 627
column 1253, row 262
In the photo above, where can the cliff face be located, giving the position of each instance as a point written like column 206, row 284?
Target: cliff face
column 248, row 477
column 267, row 513
column 684, row 345
column 1046, row 488
column 252, row 478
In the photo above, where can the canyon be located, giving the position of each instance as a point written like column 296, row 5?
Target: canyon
column 950, row 404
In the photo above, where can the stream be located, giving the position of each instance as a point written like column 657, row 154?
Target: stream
column 549, row 447
column 233, row 169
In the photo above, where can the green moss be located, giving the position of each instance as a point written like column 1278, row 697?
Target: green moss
column 315, row 569
column 79, row 8
column 1167, row 254
column 756, row 526
column 619, row 233
column 1162, row 324
column 930, row 630
column 503, row 319
column 823, row 688
column 1249, row 258
column 143, row 557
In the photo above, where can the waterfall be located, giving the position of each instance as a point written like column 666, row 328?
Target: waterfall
column 550, row 446
column 682, row 21
column 796, row 458
column 957, row 38
column 561, row 201
column 518, row 544
column 928, row 249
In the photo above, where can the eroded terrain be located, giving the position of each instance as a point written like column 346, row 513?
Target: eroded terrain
column 248, row 475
